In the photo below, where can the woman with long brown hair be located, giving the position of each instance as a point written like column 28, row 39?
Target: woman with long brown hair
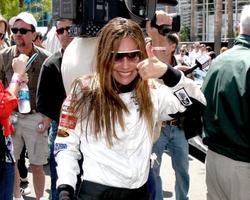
column 109, row 117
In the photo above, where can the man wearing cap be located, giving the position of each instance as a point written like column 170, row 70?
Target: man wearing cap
column 23, row 27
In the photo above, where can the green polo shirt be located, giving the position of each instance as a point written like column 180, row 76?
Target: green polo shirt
column 227, row 90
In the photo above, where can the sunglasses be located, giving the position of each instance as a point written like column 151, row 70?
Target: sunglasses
column 132, row 56
column 60, row 31
column 23, row 31
column 2, row 36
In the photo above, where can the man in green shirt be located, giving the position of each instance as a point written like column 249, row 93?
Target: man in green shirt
column 227, row 120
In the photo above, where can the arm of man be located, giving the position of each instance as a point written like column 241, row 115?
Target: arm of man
column 43, row 97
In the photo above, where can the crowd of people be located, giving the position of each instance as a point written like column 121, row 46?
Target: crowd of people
column 104, row 109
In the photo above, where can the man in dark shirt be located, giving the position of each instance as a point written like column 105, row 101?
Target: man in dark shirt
column 51, row 93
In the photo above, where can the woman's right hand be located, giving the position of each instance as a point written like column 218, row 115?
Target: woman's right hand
column 19, row 64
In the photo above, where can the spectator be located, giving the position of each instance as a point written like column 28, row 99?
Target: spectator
column 203, row 49
column 212, row 56
column 8, row 101
column 185, row 47
column 172, row 136
column 196, row 52
column 227, row 121
column 182, row 58
column 223, row 49
column 3, row 30
column 23, row 27
column 208, row 48
column 116, row 110
column 38, row 41
column 51, row 93
column 52, row 43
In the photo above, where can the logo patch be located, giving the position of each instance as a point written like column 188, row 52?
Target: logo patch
column 59, row 147
column 183, row 97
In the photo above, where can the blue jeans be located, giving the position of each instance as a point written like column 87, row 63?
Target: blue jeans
column 7, row 182
column 52, row 163
column 173, row 139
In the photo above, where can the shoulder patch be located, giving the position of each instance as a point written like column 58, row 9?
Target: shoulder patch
column 183, row 97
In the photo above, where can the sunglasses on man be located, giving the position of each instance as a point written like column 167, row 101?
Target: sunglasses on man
column 132, row 56
column 23, row 31
column 60, row 31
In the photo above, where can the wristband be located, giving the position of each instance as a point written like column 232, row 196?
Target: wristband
column 65, row 192
column 18, row 82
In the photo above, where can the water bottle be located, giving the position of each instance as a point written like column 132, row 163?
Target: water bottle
column 24, row 99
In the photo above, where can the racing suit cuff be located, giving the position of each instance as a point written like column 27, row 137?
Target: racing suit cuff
column 171, row 77
column 66, row 192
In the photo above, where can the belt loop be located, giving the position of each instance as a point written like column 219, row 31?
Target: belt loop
column 173, row 122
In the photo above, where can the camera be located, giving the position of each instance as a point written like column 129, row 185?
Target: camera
column 165, row 29
column 89, row 16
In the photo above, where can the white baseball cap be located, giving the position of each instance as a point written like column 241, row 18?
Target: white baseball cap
column 24, row 16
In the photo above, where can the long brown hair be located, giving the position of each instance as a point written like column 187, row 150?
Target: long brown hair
column 99, row 103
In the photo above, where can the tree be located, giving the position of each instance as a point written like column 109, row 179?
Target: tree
column 193, row 20
column 20, row 4
column 9, row 8
column 41, row 7
column 218, row 24
column 230, row 31
column 184, row 34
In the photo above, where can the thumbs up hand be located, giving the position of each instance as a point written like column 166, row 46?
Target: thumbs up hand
column 151, row 67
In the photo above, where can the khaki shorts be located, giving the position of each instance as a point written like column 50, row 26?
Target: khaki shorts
column 36, row 143
column 226, row 178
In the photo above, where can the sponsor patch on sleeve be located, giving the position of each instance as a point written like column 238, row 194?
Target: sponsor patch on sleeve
column 183, row 97
column 59, row 147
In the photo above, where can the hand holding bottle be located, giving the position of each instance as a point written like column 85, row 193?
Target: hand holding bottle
column 19, row 77
column 23, row 94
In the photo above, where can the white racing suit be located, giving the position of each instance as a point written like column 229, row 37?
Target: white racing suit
column 125, row 164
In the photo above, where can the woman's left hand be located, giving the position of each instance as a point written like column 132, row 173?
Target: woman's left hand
column 151, row 67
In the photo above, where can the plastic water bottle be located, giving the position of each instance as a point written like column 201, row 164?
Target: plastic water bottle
column 24, row 99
